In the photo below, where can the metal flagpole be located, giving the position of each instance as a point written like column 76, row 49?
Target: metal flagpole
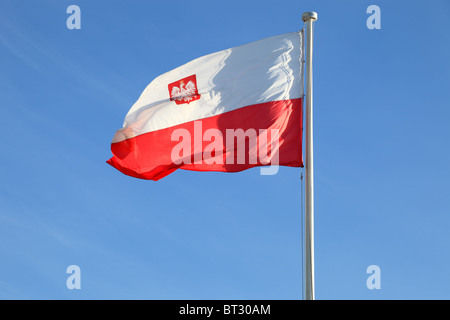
column 309, row 18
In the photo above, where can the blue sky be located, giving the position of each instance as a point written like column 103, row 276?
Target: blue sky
column 381, row 126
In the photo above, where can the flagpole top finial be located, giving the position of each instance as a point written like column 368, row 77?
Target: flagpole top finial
column 309, row 15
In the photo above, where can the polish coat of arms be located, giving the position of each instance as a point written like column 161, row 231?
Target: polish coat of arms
column 184, row 90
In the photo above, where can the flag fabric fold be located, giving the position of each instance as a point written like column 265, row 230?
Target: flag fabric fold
column 227, row 111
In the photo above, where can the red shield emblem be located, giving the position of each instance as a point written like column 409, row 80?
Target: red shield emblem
column 184, row 90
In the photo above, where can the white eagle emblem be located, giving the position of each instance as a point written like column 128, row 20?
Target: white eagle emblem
column 184, row 90
column 185, row 93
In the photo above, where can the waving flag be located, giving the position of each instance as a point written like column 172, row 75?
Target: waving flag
column 228, row 111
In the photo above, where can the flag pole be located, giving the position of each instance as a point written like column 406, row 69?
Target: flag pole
column 309, row 18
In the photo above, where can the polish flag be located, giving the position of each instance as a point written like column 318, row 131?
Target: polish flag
column 227, row 111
